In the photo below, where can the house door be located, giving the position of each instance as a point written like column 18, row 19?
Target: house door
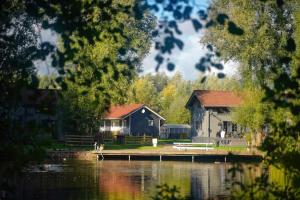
column 198, row 127
column 228, row 126
column 225, row 126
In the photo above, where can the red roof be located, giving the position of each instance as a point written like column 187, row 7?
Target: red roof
column 215, row 98
column 120, row 111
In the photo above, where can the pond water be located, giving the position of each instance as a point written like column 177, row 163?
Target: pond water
column 126, row 180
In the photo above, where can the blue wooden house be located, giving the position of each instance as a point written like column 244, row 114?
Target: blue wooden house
column 132, row 119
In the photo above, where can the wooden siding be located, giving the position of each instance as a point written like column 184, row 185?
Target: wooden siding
column 139, row 123
column 210, row 119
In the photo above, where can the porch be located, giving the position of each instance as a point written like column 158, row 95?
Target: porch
column 120, row 127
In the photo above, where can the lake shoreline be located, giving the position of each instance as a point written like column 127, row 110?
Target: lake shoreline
column 161, row 154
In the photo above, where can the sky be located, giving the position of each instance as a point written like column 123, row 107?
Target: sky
column 193, row 50
column 44, row 67
column 184, row 60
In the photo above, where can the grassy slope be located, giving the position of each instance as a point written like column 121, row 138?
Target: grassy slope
column 161, row 143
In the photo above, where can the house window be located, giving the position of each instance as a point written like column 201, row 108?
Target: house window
column 198, row 125
column 150, row 122
column 125, row 123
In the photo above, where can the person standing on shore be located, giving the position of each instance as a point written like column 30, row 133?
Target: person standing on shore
column 98, row 139
column 99, row 143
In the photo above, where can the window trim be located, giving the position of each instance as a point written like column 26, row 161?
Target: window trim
column 150, row 122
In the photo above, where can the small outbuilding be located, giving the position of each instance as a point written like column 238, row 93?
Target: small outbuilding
column 175, row 131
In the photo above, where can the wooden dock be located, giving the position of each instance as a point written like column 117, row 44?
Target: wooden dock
column 176, row 155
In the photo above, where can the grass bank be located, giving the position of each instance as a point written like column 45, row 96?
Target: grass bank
column 161, row 143
column 171, row 141
column 130, row 146
column 56, row 146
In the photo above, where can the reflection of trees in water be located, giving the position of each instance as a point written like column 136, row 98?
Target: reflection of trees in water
column 130, row 180
column 76, row 181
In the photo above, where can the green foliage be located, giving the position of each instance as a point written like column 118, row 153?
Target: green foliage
column 100, row 78
column 254, row 49
column 165, row 192
column 252, row 113
column 268, row 54
column 174, row 97
column 101, row 44
column 48, row 82
column 264, row 186
column 160, row 80
column 212, row 82
column 79, row 110
column 168, row 95
column 101, row 47
column 143, row 90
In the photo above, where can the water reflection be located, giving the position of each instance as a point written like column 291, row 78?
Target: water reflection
column 114, row 180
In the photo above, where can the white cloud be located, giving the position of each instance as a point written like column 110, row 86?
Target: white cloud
column 186, row 59
column 44, row 67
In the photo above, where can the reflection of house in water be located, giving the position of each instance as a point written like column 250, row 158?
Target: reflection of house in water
column 119, row 180
column 111, row 180
column 212, row 180
column 209, row 182
column 138, row 179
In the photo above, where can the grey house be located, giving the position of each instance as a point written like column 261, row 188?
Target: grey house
column 210, row 113
column 132, row 119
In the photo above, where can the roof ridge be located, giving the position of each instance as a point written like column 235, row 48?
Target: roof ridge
column 127, row 104
column 216, row 98
column 215, row 90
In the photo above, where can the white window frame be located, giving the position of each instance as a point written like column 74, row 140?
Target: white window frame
column 150, row 122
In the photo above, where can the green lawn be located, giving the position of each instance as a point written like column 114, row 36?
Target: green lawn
column 231, row 148
column 149, row 147
column 129, row 146
column 62, row 146
column 223, row 148
column 161, row 143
